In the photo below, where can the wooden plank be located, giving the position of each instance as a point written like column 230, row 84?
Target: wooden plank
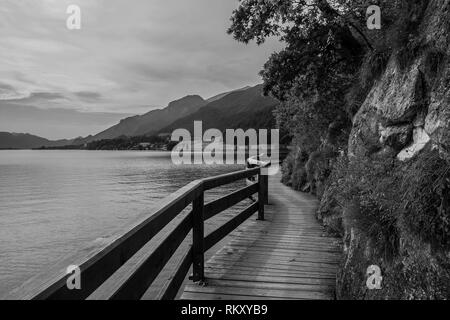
column 132, row 282
column 221, row 204
column 213, row 296
column 293, row 231
column 292, row 242
column 284, row 246
column 214, row 182
column 273, row 245
column 265, row 182
column 272, row 270
column 237, row 246
column 285, row 286
column 287, row 262
column 221, row 232
column 290, row 246
column 301, row 256
column 302, row 253
column 302, row 277
column 98, row 265
column 261, row 293
column 270, row 278
column 172, row 286
column 261, row 195
column 272, row 267
column 198, row 243
column 269, row 235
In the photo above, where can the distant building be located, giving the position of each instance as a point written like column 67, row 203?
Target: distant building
column 144, row 145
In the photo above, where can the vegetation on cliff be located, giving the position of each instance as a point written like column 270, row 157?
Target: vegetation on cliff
column 367, row 112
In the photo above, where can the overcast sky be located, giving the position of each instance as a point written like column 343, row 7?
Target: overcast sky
column 130, row 55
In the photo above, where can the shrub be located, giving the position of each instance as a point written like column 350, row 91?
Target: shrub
column 386, row 198
column 287, row 168
column 368, row 189
column 318, row 169
column 299, row 172
column 293, row 169
column 426, row 198
column 373, row 66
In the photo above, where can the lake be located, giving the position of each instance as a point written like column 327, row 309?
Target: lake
column 52, row 203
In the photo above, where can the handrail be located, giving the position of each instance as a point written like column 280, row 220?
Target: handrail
column 105, row 273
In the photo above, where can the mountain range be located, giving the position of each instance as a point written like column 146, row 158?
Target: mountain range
column 28, row 141
column 243, row 108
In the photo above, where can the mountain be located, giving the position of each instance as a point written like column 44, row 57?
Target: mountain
column 222, row 95
column 27, row 141
column 246, row 108
column 153, row 121
column 53, row 123
column 243, row 108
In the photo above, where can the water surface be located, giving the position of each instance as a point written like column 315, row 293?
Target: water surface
column 52, row 203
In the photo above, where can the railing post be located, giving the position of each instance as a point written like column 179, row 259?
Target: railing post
column 261, row 194
column 266, row 189
column 198, row 264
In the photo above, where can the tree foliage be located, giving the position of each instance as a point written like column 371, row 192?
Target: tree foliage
column 324, row 48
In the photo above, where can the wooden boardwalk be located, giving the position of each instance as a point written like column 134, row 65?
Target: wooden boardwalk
column 287, row 256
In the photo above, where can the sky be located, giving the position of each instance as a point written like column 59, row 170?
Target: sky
column 130, row 56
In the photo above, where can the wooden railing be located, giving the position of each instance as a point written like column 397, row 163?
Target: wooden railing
column 105, row 274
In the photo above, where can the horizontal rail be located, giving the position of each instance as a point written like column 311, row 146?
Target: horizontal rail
column 171, row 287
column 217, row 235
column 133, row 283
column 217, row 206
column 214, row 182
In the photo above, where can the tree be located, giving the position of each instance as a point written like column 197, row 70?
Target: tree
column 324, row 49
column 320, row 38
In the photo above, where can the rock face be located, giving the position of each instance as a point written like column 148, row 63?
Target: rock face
column 437, row 122
column 412, row 100
column 405, row 115
column 387, row 117
column 420, row 141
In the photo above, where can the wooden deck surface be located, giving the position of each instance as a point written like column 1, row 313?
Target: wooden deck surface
column 287, row 256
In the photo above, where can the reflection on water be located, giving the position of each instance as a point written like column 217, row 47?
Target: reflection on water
column 56, row 202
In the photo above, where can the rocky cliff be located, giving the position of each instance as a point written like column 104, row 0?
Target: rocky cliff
column 389, row 195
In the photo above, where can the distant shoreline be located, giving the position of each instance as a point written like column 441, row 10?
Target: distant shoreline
column 59, row 149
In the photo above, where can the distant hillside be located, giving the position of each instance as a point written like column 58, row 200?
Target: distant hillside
column 244, row 109
column 53, row 123
column 153, row 121
column 27, row 141
column 241, row 108
column 220, row 96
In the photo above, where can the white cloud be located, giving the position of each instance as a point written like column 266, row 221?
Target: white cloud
column 132, row 54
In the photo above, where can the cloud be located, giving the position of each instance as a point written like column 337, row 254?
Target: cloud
column 36, row 98
column 88, row 95
column 7, row 91
column 125, row 57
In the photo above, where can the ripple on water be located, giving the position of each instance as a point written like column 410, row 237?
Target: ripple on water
column 56, row 202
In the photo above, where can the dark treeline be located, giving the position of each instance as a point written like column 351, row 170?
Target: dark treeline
column 132, row 143
column 122, row 143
